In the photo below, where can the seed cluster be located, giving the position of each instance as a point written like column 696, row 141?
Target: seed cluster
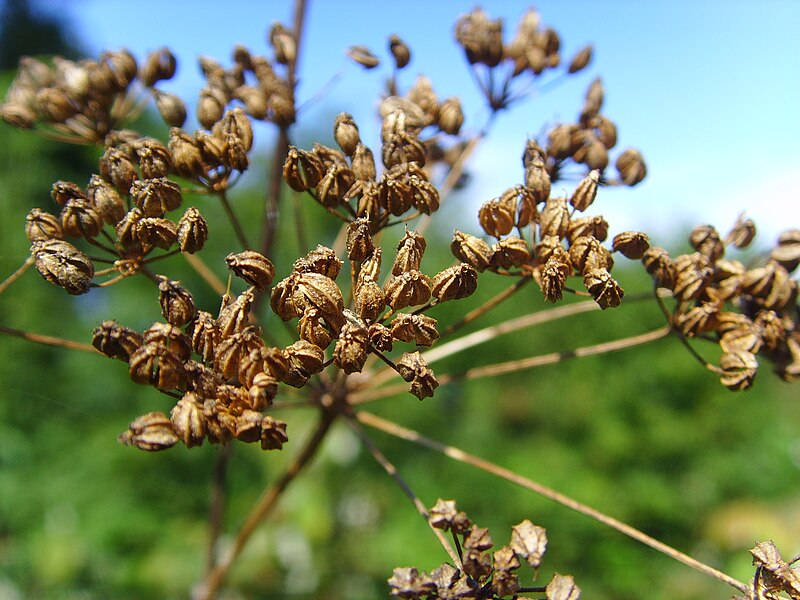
column 483, row 574
column 749, row 310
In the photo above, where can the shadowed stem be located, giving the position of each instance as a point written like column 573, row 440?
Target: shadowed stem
column 208, row 588
column 201, row 268
column 391, row 470
column 484, row 465
column 486, row 306
column 237, row 226
column 49, row 340
column 16, row 274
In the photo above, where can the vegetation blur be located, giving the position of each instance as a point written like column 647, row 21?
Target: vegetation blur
column 645, row 435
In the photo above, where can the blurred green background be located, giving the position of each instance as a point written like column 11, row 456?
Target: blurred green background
column 645, row 435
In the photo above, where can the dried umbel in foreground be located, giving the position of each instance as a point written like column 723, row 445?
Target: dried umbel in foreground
column 362, row 308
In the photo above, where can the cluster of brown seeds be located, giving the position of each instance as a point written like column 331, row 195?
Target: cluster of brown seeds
column 749, row 310
column 563, row 244
column 84, row 101
column 775, row 577
column 257, row 82
column 483, row 574
column 531, row 52
column 220, row 368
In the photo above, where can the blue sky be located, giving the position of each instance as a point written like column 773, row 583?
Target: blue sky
column 709, row 91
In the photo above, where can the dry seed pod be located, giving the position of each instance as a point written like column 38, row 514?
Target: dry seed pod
column 581, row 60
column 395, row 194
column 413, row 368
column 192, row 231
column 694, row 273
column 233, row 349
column 262, row 391
column 126, row 229
column 470, row 249
column 359, row 240
column 204, row 335
column 154, row 364
column 64, row 191
column 273, row 434
column 632, row 244
column 787, row 252
column 177, row 304
column 380, row 338
column 698, row 320
column 334, row 185
column 554, row 276
column 311, row 328
column 400, row 51
column 116, row 341
column 424, row 194
column 420, row 329
column 603, row 288
column 509, row 252
column 706, row 240
column 444, row 515
column 455, row 283
column 529, row 541
column 351, row 349
column 79, row 219
column 411, row 288
column 321, row 292
column 369, row 300
column 657, row 262
column 305, row 359
column 283, row 301
column 41, row 226
column 587, row 253
column 105, row 200
column 554, row 218
column 363, row 56
column 187, row 154
column 201, row 379
column 742, row 233
column 363, row 164
column 252, row 267
column 549, row 245
column 187, row 419
column 234, row 316
column 169, row 337
column 586, row 191
column 159, row 65
column 451, row 116
column 151, row 432
column 738, row 370
column 345, row 132
column 248, row 426
column 409, row 253
column 497, row 217
column 401, row 148
column 155, row 197
column 210, row 106
column 154, row 158
column 62, row 264
column 631, row 167
column 537, row 179
column 371, row 267
column 738, row 333
column 283, row 42
column 171, row 108
column 161, row 233
column 322, row 260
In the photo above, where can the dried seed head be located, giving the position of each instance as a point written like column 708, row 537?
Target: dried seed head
column 359, row 240
column 311, row 328
column 787, row 252
column 657, row 262
column 738, row 333
column 738, row 370
column 105, row 200
column 586, row 191
column 151, row 432
column 334, row 185
column 314, row 290
column 169, row 337
column 187, row 154
column 155, row 197
column 444, row 515
column 371, row 267
column 369, row 300
column 632, row 244
column 497, row 217
column 411, row 288
column 631, row 167
column 554, row 276
column 363, row 164
column 79, row 219
column 192, row 231
column 233, row 349
column 305, row 359
column 41, row 226
column 64, row 191
column 351, row 349
column 322, row 260
column 345, row 132
column 420, row 329
column 379, row 337
column 413, row 368
column 603, row 288
column 154, row 364
column 273, row 434
column 395, row 194
column 363, row 56
column 771, row 285
column 537, row 179
column 153, row 157
column 742, row 233
column 706, row 240
column 187, row 419
column 159, row 65
column 451, row 116
column 409, row 253
column 554, row 218
column 171, row 108
column 694, row 273
column 161, row 233
column 282, row 300
column 252, row 267
column 234, row 316
column 698, row 320
column 210, row 106
column 204, row 335
column 408, row 582
column 401, row 148
column 400, row 51
column 262, row 391
column 177, row 304
column 548, row 245
column 116, row 341
column 283, row 42
column 62, row 264
column 470, row 249
column 580, row 61
column 510, row 252
column 595, row 226
column 425, row 195
column 529, row 541
column 455, row 283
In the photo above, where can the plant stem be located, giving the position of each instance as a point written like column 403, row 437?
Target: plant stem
column 486, row 306
column 269, row 498
column 216, row 508
column 557, row 497
column 237, row 226
column 49, row 340
column 16, row 274
column 201, row 268
column 391, row 470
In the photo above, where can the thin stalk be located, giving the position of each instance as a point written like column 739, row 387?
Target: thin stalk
column 237, row 226
column 16, row 274
column 201, row 268
column 557, row 497
column 269, row 498
column 217, row 507
column 391, row 470
column 517, row 365
column 48, row 340
column 486, row 306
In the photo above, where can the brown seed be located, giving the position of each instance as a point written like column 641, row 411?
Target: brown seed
column 345, row 132
column 657, row 262
column 161, row 233
column 105, row 199
column 369, row 300
column 116, row 341
column 311, row 328
column 252, row 267
column 187, row 154
column 379, row 337
column 64, row 191
column 413, row 368
column 171, row 108
column 322, row 260
column 192, row 231
column 154, row 159
column 359, row 240
column 154, row 364
column 586, row 191
column 579, row 62
column 510, row 252
column 273, row 434
column 498, row 217
column 706, row 240
column 632, row 244
column 554, row 276
column 62, row 264
column 470, row 249
column 425, row 195
column 363, row 163
column 554, row 218
column 41, row 226
column 411, row 288
column 210, row 106
column 188, row 421
column 159, row 65
column 363, row 56
column 155, row 197
column 451, row 116
column 694, row 273
column 421, row 329
column 151, row 432
column 321, row 292
column 284, row 44
column 738, row 370
column 351, row 351
column 631, row 167
column 234, row 316
column 603, row 288
column 400, row 51
column 409, row 253
column 305, row 359
column 204, row 335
